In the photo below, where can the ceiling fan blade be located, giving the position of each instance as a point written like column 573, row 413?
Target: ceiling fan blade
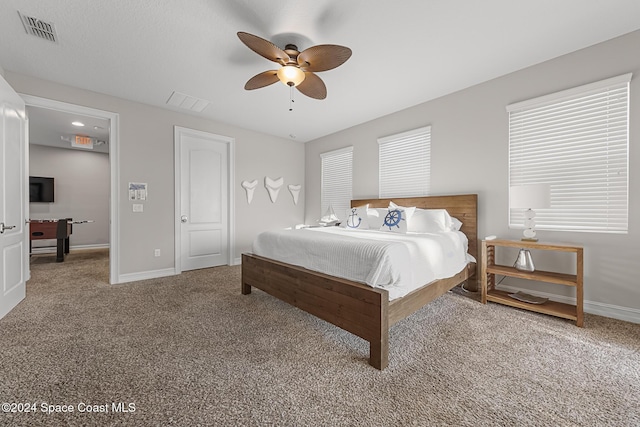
column 323, row 57
column 264, row 48
column 313, row 86
column 263, row 79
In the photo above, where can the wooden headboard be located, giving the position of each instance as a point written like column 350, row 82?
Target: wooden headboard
column 464, row 207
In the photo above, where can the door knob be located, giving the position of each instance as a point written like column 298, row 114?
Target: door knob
column 183, row 218
column 5, row 227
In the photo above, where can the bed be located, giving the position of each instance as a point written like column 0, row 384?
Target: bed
column 358, row 308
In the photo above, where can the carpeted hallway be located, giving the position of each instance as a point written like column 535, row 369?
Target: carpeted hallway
column 191, row 350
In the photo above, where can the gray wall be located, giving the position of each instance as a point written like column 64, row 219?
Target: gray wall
column 81, row 192
column 470, row 155
column 146, row 155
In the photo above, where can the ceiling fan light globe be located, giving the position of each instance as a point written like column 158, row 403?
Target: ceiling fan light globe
column 290, row 75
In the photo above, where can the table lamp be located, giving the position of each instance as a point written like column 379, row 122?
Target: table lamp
column 528, row 197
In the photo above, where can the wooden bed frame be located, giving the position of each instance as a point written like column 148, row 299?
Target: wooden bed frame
column 355, row 307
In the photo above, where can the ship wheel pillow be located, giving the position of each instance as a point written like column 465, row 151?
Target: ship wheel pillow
column 397, row 219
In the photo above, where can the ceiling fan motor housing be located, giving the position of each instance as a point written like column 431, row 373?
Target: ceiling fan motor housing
column 291, row 50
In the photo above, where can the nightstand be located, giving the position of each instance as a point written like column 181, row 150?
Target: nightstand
column 489, row 269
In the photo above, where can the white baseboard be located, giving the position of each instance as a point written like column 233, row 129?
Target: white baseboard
column 627, row 314
column 237, row 261
column 144, row 275
column 53, row 249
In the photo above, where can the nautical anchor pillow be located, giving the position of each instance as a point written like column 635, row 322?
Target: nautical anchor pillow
column 357, row 218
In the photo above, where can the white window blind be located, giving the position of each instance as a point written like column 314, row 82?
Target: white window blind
column 405, row 161
column 337, row 177
column 577, row 142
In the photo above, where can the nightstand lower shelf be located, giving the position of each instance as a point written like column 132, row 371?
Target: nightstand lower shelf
column 553, row 308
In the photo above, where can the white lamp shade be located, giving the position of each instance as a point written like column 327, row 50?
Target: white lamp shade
column 290, row 75
column 530, row 196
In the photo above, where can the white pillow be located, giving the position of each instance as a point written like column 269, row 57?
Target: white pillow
column 430, row 221
column 356, row 218
column 396, row 220
column 456, row 224
column 376, row 217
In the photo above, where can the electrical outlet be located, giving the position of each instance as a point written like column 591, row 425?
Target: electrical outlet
column 156, row 252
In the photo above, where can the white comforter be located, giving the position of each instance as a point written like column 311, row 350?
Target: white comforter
column 397, row 262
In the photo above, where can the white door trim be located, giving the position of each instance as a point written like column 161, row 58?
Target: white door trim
column 231, row 237
column 114, row 229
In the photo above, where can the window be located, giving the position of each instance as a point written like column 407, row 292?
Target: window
column 405, row 160
column 577, row 142
column 337, row 171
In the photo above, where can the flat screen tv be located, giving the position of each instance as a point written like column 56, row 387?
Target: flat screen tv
column 40, row 189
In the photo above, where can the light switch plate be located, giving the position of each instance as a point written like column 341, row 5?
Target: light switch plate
column 138, row 207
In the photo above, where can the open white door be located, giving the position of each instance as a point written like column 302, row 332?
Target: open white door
column 14, row 255
column 202, row 160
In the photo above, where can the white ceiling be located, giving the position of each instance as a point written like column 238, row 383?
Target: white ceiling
column 55, row 129
column 404, row 53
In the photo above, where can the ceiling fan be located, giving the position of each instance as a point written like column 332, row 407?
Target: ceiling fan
column 298, row 68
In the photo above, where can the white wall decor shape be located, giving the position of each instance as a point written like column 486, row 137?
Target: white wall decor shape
column 273, row 187
column 295, row 192
column 249, row 187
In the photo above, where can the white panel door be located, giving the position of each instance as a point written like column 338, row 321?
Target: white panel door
column 204, row 200
column 14, row 257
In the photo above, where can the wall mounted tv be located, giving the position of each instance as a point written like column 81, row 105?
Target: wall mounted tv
column 40, row 189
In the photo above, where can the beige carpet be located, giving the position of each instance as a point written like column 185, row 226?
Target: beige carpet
column 191, row 350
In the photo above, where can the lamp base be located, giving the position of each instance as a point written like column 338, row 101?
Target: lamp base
column 524, row 262
column 529, row 239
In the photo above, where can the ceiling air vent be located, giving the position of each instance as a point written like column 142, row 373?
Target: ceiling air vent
column 39, row 28
column 187, row 102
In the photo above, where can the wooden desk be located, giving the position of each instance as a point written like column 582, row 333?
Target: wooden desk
column 52, row 229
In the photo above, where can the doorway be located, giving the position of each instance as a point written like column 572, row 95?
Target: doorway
column 111, row 123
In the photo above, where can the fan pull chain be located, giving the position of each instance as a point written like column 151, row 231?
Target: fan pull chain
column 291, row 101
